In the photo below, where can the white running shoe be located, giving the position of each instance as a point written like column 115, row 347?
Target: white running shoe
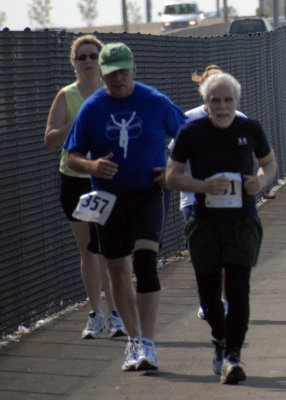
column 115, row 325
column 225, row 306
column 147, row 356
column 131, row 351
column 201, row 313
column 95, row 325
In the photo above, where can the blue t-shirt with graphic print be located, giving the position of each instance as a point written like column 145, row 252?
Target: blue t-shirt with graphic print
column 133, row 128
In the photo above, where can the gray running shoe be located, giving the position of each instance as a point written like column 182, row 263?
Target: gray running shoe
column 218, row 355
column 232, row 371
column 115, row 325
column 95, row 325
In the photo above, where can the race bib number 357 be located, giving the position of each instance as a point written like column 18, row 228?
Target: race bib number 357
column 95, row 206
column 232, row 198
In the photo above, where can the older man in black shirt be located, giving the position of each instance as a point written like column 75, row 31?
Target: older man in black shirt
column 225, row 229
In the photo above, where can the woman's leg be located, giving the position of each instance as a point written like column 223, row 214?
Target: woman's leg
column 90, row 265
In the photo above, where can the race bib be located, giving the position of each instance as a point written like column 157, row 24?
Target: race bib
column 232, row 198
column 95, row 206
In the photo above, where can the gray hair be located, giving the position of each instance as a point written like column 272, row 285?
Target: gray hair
column 221, row 77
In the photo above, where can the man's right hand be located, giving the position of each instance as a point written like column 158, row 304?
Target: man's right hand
column 104, row 168
column 217, row 185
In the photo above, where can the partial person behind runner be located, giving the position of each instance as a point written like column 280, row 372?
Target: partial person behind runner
column 225, row 229
column 84, row 59
column 125, row 125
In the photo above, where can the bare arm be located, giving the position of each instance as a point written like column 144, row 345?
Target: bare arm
column 57, row 128
column 265, row 175
column 176, row 179
column 101, row 168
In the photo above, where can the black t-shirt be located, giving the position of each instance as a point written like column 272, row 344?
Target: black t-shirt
column 212, row 150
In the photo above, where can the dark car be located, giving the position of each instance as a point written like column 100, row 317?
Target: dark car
column 242, row 26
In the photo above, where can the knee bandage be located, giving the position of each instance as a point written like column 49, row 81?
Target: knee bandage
column 145, row 268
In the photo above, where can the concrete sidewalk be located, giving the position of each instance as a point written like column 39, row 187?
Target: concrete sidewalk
column 54, row 363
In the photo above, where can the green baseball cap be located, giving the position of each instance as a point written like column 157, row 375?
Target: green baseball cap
column 114, row 56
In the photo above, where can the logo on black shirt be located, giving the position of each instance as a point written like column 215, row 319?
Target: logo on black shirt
column 242, row 141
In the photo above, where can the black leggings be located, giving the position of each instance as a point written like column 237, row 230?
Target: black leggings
column 234, row 327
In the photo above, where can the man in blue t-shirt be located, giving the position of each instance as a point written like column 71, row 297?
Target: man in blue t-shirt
column 226, row 229
column 124, row 127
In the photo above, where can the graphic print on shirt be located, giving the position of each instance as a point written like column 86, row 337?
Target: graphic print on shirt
column 242, row 141
column 123, row 126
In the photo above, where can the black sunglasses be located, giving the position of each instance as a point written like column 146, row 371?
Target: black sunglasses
column 83, row 57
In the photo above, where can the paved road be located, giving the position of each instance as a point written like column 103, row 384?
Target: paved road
column 54, row 363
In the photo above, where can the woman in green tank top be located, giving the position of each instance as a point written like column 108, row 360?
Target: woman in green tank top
column 84, row 59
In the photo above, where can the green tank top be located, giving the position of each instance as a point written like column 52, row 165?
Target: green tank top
column 74, row 101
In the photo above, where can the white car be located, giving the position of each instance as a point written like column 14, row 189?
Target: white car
column 180, row 14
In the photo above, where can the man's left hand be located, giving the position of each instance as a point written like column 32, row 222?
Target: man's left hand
column 252, row 184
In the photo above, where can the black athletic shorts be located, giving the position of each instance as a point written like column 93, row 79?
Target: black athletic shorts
column 136, row 215
column 213, row 245
column 71, row 190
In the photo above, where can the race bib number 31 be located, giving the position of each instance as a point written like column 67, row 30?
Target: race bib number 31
column 95, row 206
column 232, row 198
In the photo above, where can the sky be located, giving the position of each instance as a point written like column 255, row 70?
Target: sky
column 65, row 13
